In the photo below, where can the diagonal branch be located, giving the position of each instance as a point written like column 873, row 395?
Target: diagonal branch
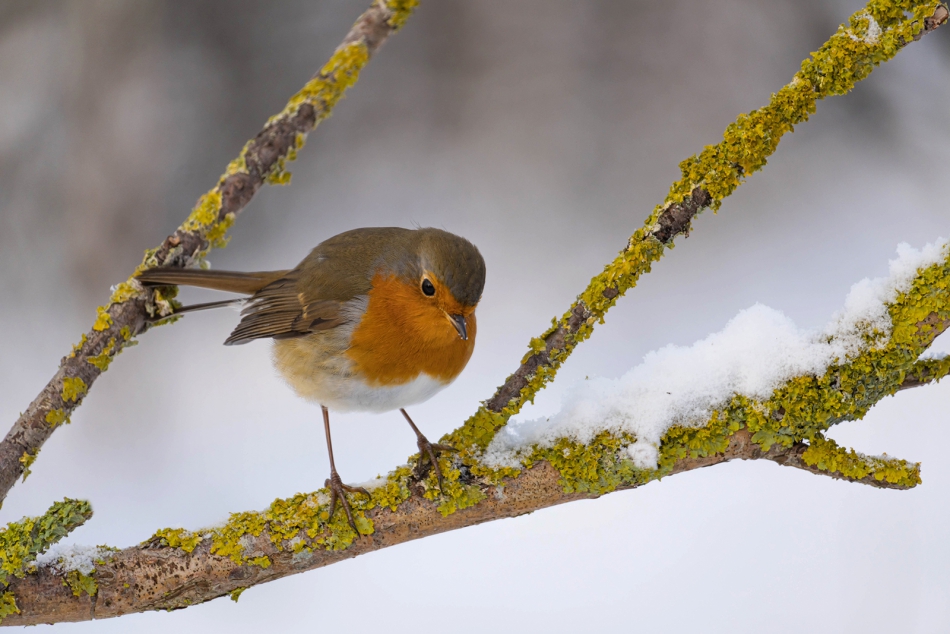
column 872, row 36
column 263, row 160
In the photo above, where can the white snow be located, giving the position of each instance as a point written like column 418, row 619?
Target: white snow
column 874, row 31
column 73, row 557
column 757, row 351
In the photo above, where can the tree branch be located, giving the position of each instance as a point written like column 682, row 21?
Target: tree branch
column 926, row 371
column 707, row 179
column 21, row 542
column 177, row 568
column 263, row 159
column 154, row 576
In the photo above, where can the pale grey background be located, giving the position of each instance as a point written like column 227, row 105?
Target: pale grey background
column 544, row 131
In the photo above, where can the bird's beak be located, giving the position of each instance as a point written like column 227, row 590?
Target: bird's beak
column 459, row 322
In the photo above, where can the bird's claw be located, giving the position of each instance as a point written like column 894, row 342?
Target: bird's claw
column 430, row 451
column 338, row 490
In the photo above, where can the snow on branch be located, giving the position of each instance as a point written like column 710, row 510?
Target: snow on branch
column 756, row 411
column 21, row 545
column 758, row 352
column 871, row 36
column 756, row 408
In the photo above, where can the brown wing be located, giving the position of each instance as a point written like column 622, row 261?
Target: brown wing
column 310, row 297
column 278, row 311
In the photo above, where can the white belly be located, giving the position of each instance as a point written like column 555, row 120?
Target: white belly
column 317, row 372
column 354, row 395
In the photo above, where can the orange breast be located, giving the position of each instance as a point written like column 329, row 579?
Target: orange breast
column 402, row 334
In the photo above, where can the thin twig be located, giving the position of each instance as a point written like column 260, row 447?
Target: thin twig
column 926, row 371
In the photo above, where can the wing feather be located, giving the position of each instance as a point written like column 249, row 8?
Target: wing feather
column 311, row 297
column 278, row 311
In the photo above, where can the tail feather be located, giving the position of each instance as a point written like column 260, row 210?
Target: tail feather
column 229, row 281
column 196, row 307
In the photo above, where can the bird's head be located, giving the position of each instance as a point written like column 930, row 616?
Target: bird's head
column 448, row 275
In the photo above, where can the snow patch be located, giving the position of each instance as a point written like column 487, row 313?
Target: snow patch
column 66, row 558
column 757, row 351
column 373, row 484
column 873, row 34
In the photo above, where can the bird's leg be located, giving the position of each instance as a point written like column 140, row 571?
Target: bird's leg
column 427, row 450
column 335, row 484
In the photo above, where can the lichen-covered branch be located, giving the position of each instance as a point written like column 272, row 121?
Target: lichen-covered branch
column 21, row 542
column 187, row 569
column 871, row 36
column 176, row 568
column 926, row 371
column 263, row 160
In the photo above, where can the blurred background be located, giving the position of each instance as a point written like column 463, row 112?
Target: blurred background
column 544, row 131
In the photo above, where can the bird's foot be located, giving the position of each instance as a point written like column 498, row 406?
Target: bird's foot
column 430, row 451
column 338, row 490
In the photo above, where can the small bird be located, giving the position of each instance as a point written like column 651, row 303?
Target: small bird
column 373, row 319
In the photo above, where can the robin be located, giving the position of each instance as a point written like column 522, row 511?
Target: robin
column 373, row 319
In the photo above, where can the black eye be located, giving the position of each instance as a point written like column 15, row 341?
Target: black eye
column 428, row 288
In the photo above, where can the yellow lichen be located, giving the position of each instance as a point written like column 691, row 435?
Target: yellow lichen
column 826, row 455
column 27, row 460
column 401, row 10
column 22, row 541
column 205, row 213
column 103, row 319
column 226, row 541
column 216, row 235
column 930, row 370
column 178, row 538
column 77, row 347
column 56, row 417
column 237, row 166
column 395, row 491
column 80, row 583
column 328, row 86
column 8, row 605
column 103, row 359
column 453, row 494
column 73, row 388
column 125, row 291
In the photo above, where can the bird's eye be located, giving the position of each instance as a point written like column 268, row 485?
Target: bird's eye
column 427, row 287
